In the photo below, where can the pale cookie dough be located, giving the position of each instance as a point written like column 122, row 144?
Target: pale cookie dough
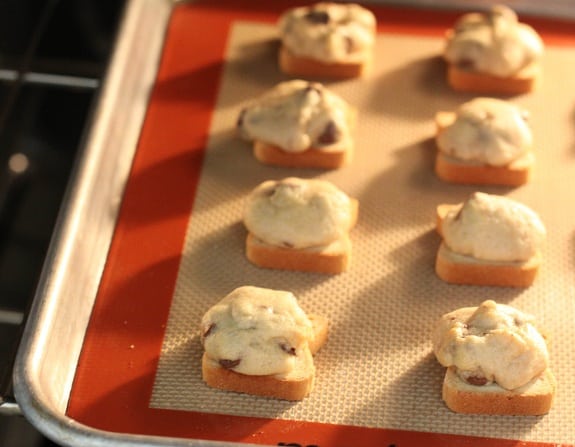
column 259, row 341
column 491, row 343
column 256, row 331
column 493, row 228
column 494, row 43
column 329, row 32
column 488, row 131
column 298, row 115
column 298, row 213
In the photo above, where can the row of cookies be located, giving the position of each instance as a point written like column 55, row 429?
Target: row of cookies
column 259, row 341
column 304, row 224
column 489, row 141
column 497, row 361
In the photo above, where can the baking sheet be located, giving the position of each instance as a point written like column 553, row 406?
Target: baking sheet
column 177, row 249
column 382, row 311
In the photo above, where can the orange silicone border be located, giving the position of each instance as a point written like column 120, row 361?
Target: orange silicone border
column 117, row 366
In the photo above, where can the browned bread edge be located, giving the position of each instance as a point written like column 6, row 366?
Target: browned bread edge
column 471, row 81
column 330, row 261
column 306, row 67
column 311, row 158
column 535, row 398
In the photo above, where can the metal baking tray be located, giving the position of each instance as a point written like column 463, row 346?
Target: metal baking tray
column 79, row 257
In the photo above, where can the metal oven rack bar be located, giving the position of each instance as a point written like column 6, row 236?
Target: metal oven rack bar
column 52, row 341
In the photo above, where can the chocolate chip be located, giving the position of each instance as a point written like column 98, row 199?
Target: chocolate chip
column 287, row 348
column 209, row 330
column 517, row 321
column 458, row 214
column 269, row 191
column 318, row 17
column 229, row 364
column 349, row 44
column 242, row 115
column 476, row 380
column 329, row 135
column 466, row 64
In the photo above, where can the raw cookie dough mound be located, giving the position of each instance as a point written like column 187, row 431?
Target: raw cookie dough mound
column 327, row 40
column 259, row 341
column 497, row 361
column 486, row 141
column 493, row 53
column 489, row 240
column 299, row 224
column 299, row 124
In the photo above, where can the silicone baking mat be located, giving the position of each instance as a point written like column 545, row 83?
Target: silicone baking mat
column 178, row 247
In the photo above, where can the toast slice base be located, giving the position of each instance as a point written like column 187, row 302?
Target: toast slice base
column 330, row 259
column 534, row 398
column 451, row 170
column 454, row 268
column 463, row 80
column 312, row 158
column 306, row 67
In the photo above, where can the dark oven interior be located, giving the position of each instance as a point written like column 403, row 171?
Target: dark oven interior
column 53, row 57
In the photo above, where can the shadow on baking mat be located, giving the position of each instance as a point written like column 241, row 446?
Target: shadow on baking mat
column 148, row 204
column 216, row 261
column 410, row 166
column 183, row 87
column 423, row 78
column 261, row 54
column 412, row 401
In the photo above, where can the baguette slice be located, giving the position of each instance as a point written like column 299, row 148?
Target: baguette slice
column 465, row 80
column 534, row 398
column 333, row 258
column 452, row 170
column 291, row 386
column 311, row 158
column 455, row 268
column 306, row 67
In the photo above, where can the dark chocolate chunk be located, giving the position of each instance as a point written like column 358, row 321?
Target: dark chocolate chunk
column 476, row 380
column 466, row 64
column 209, row 330
column 349, row 45
column 229, row 364
column 240, row 121
column 287, row 348
column 318, row 17
column 329, row 135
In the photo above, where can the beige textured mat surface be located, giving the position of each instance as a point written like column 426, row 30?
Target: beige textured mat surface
column 377, row 369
